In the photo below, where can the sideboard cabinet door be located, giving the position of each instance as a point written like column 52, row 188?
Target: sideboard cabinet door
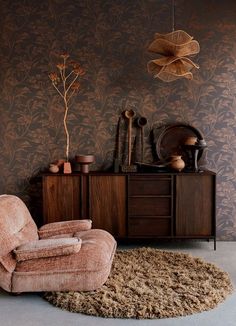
column 61, row 198
column 108, row 203
column 195, row 205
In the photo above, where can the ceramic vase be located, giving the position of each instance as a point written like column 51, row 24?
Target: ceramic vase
column 53, row 168
column 177, row 163
column 67, row 168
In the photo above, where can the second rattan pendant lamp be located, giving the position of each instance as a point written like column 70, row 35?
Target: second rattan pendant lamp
column 174, row 48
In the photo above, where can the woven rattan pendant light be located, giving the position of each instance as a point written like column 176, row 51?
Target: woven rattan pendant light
column 173, row 49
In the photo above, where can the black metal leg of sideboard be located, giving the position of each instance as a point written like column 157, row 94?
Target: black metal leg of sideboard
column 214, row 243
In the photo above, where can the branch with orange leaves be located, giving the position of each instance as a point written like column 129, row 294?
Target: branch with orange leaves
column 66, row 85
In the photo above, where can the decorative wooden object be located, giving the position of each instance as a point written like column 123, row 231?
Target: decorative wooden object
column 138, row 205
column 141, row 123
column 117, row 149
column 129, row 114
column 84, row 161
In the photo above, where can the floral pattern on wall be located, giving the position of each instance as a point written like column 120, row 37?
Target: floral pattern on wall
column 110, row 38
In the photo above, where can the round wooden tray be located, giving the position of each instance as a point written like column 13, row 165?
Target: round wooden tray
column 170, row 140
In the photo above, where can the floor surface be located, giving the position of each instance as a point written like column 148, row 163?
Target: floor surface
column 31, row 309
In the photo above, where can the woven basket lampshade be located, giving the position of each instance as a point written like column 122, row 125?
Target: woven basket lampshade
column 175, row 47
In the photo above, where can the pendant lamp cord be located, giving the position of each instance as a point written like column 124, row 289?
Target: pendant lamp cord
column 173, row 15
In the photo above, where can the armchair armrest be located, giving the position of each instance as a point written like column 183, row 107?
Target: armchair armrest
column 67, row 228
column 47, row 248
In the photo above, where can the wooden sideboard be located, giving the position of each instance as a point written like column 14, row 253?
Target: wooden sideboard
column 137, row 205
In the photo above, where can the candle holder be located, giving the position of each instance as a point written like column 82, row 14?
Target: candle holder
column 84, row 161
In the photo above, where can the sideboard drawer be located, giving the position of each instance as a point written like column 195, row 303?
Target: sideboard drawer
column 149, row 206
column 149, row 186
column 149, row 227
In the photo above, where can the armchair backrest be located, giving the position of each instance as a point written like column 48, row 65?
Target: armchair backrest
column 16, row 224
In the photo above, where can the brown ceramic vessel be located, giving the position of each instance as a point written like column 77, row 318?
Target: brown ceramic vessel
column 84, row 161
column 177, row 163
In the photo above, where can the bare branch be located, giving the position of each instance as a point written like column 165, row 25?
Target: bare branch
column 57, row 89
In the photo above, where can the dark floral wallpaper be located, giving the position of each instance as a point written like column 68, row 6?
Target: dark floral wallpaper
column 110, row 39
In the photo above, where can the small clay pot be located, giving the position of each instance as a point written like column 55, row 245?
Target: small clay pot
column 60, row 162
column 177, row 163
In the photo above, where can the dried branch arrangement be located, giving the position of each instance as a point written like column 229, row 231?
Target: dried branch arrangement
column 65, row 81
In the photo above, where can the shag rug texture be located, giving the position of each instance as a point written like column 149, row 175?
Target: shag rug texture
column 150, row 283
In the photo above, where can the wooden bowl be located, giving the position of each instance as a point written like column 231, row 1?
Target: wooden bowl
column 84, row 159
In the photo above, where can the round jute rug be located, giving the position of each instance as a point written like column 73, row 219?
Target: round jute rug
column 150, row 283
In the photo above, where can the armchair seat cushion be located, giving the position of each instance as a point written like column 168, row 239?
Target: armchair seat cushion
column 65, row 227
column 86, row 270
column 47, row 248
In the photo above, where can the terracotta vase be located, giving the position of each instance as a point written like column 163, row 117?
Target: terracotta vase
column 177, row 163
column 67, row 168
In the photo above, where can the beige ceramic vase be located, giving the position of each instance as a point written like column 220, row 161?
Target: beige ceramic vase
column 177, row 163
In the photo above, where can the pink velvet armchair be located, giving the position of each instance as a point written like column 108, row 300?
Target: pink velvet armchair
column 62, row 256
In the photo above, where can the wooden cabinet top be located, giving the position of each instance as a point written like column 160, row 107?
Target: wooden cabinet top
column 97, row 173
